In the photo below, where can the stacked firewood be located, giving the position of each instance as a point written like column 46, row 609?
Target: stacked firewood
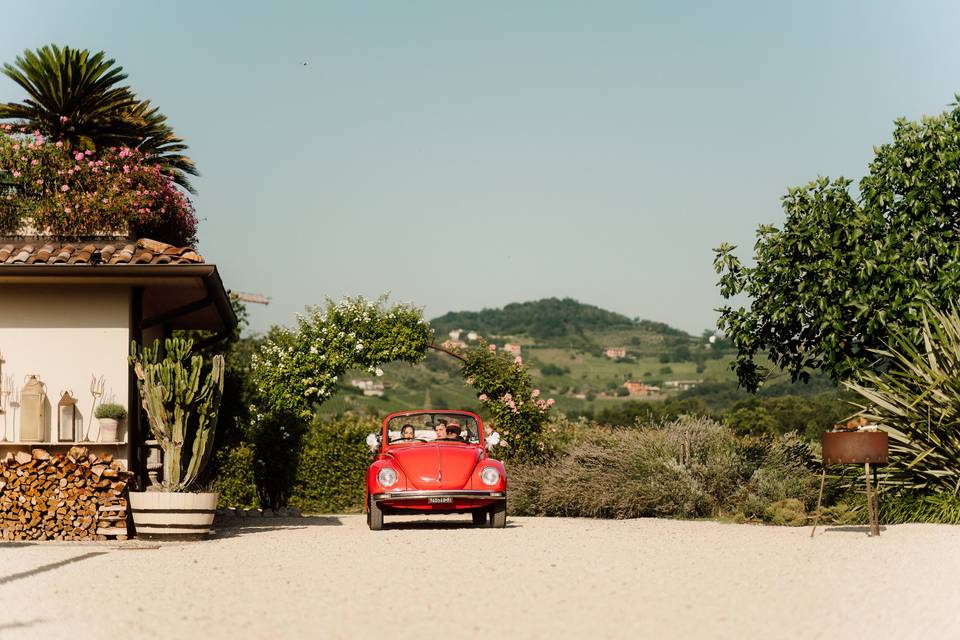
column 77, row 496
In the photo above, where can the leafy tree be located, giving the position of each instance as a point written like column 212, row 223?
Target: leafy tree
column 75, row 97
column 551, row 369
column 848, row 268
column 809, row 416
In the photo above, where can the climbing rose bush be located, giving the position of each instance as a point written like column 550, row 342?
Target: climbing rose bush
column 506, row 391
column 80, row 193
column 298, row 369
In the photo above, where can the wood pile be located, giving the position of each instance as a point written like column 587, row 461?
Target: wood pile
column 76, row 496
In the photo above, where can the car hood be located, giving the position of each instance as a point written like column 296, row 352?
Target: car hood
column 436, row 466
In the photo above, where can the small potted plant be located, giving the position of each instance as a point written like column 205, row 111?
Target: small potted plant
column 110, row 415
column 181, row 398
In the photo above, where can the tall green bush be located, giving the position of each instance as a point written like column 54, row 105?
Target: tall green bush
column 235, row 480
column 332, row 466
column 277, row 439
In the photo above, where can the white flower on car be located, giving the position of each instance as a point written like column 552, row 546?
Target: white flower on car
column 492, row 440
column 373, row 441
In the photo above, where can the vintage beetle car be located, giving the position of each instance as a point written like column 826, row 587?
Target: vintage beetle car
column 417, row 471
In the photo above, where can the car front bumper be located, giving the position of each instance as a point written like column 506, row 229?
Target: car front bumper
column 426, row 496
column 437, row 501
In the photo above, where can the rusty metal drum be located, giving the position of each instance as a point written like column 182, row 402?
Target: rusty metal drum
column 852, row 447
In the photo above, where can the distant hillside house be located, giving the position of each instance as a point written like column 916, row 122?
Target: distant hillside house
column 615, row 353
column 472, row 336
column 512, row 348
column 369, row 387
column 682, row 385
column 635, row 388
column 453, row 345
column 455, row 334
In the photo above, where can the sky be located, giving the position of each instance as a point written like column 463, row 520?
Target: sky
column 467, row 155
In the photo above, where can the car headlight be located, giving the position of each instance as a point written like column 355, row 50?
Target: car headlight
column 490, row 476
column 387, row 477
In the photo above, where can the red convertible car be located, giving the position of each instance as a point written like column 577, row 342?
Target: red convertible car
column 435, row 462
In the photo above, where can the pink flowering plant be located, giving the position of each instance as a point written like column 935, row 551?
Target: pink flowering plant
column 505, row 390
column 298, row 370
column 75, row 193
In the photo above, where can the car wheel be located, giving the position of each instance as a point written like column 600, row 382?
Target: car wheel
column 375, row 517
column 480, row 517
column 498, row 515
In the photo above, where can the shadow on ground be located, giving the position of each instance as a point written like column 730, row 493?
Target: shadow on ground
column 233, row 527
column 19, row 624
column 13, row 577
column 420, row 525
column 865, row 529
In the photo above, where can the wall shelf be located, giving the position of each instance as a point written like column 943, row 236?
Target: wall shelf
column 41, row 445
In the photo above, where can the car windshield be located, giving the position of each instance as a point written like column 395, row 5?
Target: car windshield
column 433, row 427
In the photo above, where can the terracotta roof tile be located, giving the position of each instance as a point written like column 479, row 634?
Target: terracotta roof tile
column 145, row 251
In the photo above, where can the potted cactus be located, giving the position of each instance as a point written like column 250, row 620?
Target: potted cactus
column 181, row 399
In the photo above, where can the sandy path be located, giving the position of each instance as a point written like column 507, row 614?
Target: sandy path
column 329, row 577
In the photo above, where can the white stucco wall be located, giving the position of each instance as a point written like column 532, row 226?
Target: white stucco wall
column 65, row 335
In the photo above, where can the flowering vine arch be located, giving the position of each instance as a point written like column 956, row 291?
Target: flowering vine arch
column 298, row 370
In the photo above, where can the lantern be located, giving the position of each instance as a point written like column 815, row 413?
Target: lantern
column 33, row 415
column 69, row 423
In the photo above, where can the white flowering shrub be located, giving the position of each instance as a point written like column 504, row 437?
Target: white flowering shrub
column 296, row 370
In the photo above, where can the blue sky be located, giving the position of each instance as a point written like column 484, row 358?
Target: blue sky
column 462, row 156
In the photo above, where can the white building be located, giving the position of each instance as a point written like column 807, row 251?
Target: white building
column 369, row 387
column 682, row 385
column 68, row 313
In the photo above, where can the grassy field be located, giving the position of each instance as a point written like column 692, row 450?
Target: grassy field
column 589, row 382
column 562, row 343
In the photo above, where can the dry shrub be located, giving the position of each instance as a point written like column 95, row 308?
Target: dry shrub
column 786, row 472
column 693, row 467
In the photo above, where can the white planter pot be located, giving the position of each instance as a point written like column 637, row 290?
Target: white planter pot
column 172, row 516
column 108, row 430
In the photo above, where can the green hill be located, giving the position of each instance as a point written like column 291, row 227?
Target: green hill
column 563, row 342
column 541, row 319
column 559, row 322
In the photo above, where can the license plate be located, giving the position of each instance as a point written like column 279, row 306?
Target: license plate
column 439, row 500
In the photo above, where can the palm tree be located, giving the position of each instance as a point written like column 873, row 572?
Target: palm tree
column 76, row 97
column 149, row 133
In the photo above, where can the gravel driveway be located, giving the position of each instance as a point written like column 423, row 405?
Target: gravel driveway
column 329, row 577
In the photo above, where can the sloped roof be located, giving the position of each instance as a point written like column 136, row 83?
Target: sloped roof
column 143, row 251
column 178, row 288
